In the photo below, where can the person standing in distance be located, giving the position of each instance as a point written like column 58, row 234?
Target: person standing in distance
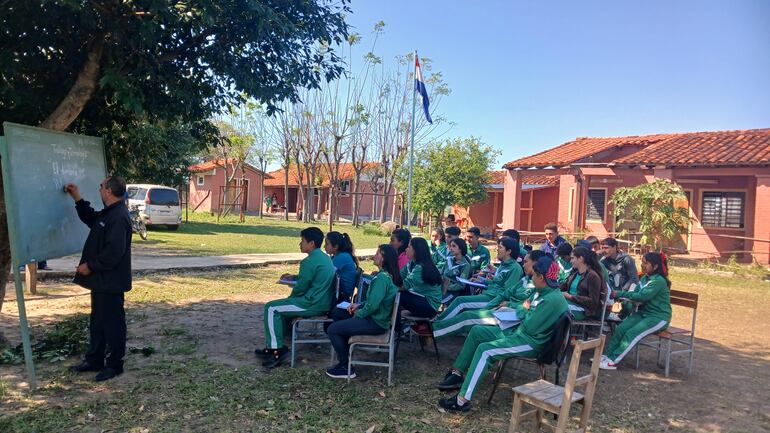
column 105, row 270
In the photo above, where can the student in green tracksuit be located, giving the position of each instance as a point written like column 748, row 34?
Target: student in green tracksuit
column 372, row 316
column 653, row 315
column 421, row 293
column 487, row 344
column 506, row 275
column 438, row 248
column 585, row 289
column 563, row 259
column 479, row 254
column 310, row 296
column 512, row 297
column 458, row 265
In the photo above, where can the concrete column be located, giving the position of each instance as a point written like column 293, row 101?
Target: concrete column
column 512, row 200
column 568, row 201
column 761, row 219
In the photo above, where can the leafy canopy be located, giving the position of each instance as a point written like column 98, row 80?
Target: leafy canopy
column 653, row 207
column 453, row 172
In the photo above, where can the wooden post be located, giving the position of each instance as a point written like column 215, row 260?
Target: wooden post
column 30, row 278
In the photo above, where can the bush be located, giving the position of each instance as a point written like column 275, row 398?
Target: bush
column 68, row 337
column 373, row 231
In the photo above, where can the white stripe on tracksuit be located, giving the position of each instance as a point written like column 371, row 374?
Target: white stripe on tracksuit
column 271, row 321
column 465, row 306
column 483, row 363
column 458, row 325
column 661, row 325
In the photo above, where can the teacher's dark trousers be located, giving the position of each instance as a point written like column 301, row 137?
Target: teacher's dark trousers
column 107, row 330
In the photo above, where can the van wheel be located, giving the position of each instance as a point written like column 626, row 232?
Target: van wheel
column 173, row 228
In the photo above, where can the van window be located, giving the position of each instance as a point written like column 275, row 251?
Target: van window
column 166, row 197
column 136, row 193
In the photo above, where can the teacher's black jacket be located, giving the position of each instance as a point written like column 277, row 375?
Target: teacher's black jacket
column 107, row 249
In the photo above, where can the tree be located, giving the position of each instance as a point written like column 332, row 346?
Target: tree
column 91, row 67
column 453, row 172
column 652, row 207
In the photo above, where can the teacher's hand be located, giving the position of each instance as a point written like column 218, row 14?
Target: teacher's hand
column 73, row 191
column 83, row 269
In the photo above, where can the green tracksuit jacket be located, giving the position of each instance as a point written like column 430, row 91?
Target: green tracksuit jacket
column 546, row 306
column 438, row 254
column 379, row 300
column 411, row 274
column 462, row 269
column 315, row 276
column 479, row 258
column 654, row 294
column 506, row 275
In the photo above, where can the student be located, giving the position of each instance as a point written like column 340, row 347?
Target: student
column 372, row 316
column 523, row 249
column 511, row 297
column 461, row 267
column 584, row 289
column 563, row 259
column 421, row 293
column 508, row 274
column 399, row 240
column 487, row 344
column 621, row 273
column 310, row 296
column 552, row 239
column 438, row 247
column 449, row 221
column 452, row 233
column 340, row 248
column 653, row 315
column 596, row 246
column 479, row 254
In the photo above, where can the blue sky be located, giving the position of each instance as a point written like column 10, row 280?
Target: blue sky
column 526, row 76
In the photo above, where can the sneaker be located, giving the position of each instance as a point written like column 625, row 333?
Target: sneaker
column 263, row 353
column 341, row 372
column 613, row 317
column 452, row 404
column 451, row 381
column 108, row 373
column 276, row 357
column 607, row 364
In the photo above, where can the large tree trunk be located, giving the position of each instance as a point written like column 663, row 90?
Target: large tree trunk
column 80, row 93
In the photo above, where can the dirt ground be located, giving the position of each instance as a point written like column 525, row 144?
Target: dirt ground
column 727, row 392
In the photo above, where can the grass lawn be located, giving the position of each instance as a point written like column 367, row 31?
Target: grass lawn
column 204, row 236
column 204, row 378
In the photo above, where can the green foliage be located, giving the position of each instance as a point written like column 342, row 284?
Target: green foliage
column 652, row 207
column 453, row 172
column 68, row 337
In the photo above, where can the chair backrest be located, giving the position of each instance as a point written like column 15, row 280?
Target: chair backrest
column 334, row 287
column 393, row 317
column 589, row 380
column 687, row 300
column 362, row 287
column 556, row 349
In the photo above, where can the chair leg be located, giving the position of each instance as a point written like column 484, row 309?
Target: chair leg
column 293, row 339
column 636, row 350
column 538, row 421
column 435, row 347
column 668, row 356
column 692, row 355
column 515, row 413
column 660, row 346
column 496, row 378
column 350, row 360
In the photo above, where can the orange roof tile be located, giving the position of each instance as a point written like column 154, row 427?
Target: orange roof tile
column 212, row 164
column 346, row 171
column 718, row 148
column 498, row 178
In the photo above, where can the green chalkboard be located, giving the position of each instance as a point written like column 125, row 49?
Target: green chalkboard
column 37, row 163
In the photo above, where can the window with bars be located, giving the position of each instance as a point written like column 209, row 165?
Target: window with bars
column 597, row 199
column 723, row 209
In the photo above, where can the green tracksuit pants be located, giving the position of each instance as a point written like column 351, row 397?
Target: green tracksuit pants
column 463, row 322
column 462, row 303
column 275, row 313
column 484, row 346
column 630, row 332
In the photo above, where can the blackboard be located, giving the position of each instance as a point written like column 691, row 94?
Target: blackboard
column 37, row 163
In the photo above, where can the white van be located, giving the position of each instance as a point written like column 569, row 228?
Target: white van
column 158, row 204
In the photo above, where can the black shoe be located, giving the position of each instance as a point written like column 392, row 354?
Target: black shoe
column 85, row 366
column 107, row 374
column 264, row 353
column 452, row 404
column 276, row 357
column 451, row 381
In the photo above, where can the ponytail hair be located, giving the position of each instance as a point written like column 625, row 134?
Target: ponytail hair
column 390, row 263
column 342, row 242
column 430, row 273
column 403, row 237
column 660, row 263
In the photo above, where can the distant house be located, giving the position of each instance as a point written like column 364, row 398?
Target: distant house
column 725, row 175
column 207, row 180
column 488, row 215
column 371, row 200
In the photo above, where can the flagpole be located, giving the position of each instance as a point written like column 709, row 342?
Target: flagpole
column 411, row 149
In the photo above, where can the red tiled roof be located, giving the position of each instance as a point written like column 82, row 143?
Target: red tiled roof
column 212, row 164
column 719, row 148
column 346, row 172
column 581, row 149
column 498, row 177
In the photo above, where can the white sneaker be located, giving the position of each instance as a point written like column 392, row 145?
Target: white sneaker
column 614, row 317
column 607, row 364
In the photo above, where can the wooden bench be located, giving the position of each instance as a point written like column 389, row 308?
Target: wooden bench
column 683, row 339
